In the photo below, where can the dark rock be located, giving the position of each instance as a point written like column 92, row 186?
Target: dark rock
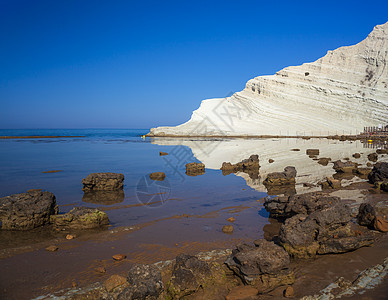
column 324, row 161
column 104, row 197
column 384, row 186
column 379, row 172
column 161, row 153
column 26, row 211
column 270, row 160
column 366, row 215
column 286, row 177
column 250, row 166
column 159, row 176
column 189, row 273
column 295, row 149
column 373, row 157
column 330, row 183
column 103, row 182
column 312, row 152
column 324, row 231
column 288, row 206
column 382, row 151
column 345, row 167
column 286, row 190
column 356, row 155
column 363, row 171
column 81, row 218
column 145, row 283
column 195, row 169
column 265, row 266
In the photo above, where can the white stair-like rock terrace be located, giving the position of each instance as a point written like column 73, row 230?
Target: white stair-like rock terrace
column 340, row 93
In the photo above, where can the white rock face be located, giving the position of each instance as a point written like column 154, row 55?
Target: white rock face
column 340, row 93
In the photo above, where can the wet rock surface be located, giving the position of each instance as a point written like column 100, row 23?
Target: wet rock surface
column 288, row 206
column 81, row 218
column 324, row 231
column 195, row 169
column 158, row 176
column 366, row 215
column 287, row 177
column 373, row 157
column 26, row 211
column 264, row 265
column 145, row 282
column 250, row 166
column 104, row 197
column 103, row 182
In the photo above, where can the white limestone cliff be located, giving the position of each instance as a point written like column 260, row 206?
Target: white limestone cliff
column 340, row 93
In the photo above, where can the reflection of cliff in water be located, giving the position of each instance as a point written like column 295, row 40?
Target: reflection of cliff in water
column 214, row 152
column 104, row 197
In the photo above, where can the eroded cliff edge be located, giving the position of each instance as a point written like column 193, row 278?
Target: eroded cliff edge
column 339, row 93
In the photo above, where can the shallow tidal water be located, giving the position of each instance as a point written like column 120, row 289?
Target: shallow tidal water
column 153, row 220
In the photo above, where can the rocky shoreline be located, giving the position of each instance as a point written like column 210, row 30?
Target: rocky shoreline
column 311, row 225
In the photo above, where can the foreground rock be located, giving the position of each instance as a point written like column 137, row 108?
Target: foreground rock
column 264, row 266
column 81, row 218
column 103, row 182
column 324, row 231
column 287, row 177
column 379, row 173
column 288, row 206
column 195, row 169
column 26, row 211
column 250, row 166
column 145, row 282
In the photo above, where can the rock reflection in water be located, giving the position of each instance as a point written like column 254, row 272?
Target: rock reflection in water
column 104, row 197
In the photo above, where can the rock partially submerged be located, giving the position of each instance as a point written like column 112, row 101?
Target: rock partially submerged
column 288, row 206
column 345, row 167
column 104, row 197
column 379, row 173
column 81, row 218
column 195, row 169
column 250, row 166
column 287, row 177
column 324, row 231
column 264, row 266
column 158, row 176
column 26, row 211
column 103, row 182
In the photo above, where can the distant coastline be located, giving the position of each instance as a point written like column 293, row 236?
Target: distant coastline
column 41, row 137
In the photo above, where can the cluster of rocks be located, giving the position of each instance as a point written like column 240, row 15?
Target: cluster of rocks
column 250, row 166
column 316, row 223
column 368, row 216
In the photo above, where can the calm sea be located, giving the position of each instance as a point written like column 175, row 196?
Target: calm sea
column 22, row 162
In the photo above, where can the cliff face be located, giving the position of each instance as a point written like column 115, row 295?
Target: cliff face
column 339, row 93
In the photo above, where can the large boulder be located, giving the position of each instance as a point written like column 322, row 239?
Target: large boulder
column 188, row 275
column 81, row 218
column 250, row 166
column 103, row 182
column 288, row 206
column 379, row 172
column 145, row 282
column 264, row 266
column 287, row 177
column 26, row 211
column 195, row 169
column 324, row 231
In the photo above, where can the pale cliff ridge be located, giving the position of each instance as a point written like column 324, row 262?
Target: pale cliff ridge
column 340, row 93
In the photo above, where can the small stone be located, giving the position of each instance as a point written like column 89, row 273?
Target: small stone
column 114, row 281
column 74, row 284
column 231, row 219
column 100, row 270
column 70, row 237
column 159, row 176
column 289, row 292
column 312, row 151
column 227, row 229
column 295, row 149
column 356, row 155
column 270, row 160
column 52, row 248
column 161, row 153
column 381, row 224
column 119, row 257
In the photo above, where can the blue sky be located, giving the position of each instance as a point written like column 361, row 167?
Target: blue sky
column 141, row 64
